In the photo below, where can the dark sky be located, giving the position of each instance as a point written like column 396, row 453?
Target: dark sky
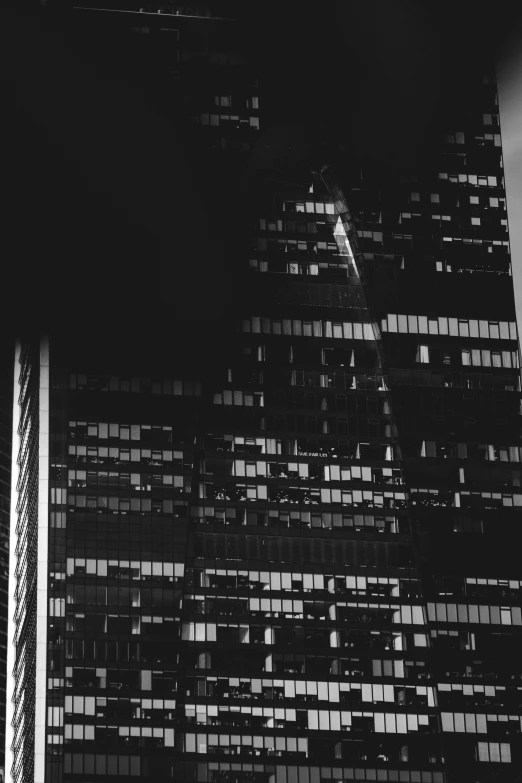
column 101, row 206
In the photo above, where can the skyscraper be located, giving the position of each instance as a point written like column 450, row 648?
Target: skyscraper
column 301, row 564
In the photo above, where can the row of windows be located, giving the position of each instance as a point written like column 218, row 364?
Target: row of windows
column 494, row 752
column 474, row 357
column 464, row 499
column 461, row 613
column 340, row 380
column 319, row 691
column 97, row 706
column 117, row 505
column 124, row 569
column 291, row 226
column 481, row 358
column 303, row 582
column 448, row 380
column 319, row 207
column 152, row 653
column 475, row 724
column 354, row 613
column 101, row 764
column 466, row 223
column 457, row 327
column 278, row 246
column 136, row 385
column 491, row 245
column 445, row 266
column 485, row 451
column 225, row 743
column 322, row 720
column 487, row 500
column 226, row 100
column 105, row 455
column 130, row 735
column 123, row 624
column 494, row 691
column 324, row 424
column 117, row 596
column 473, row 179
column 384, row 722
column 299, row 328
column 83, row 429
column 80, row 677
column 252, row 689
column 316, row 471
column 220, row 771
column 274, row 494
column 225, row 119
column 138, row 481
column 229, row 397
column 297, row 609
column 300, row 447
column 303, row 267
column 463, row 222
column 293, row 519
column 513, row 584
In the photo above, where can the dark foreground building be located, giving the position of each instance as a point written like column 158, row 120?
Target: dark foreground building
column 297, row 561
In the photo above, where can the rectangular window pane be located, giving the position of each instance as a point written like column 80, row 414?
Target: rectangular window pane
column 494, row 751
column 505, row 752
column 473, row 329
column 443, row 326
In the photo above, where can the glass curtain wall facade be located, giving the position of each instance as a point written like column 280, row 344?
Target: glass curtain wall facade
column 302, row 570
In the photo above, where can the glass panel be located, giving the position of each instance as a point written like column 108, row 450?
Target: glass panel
column 423, row 324
column 473, row 329
column 494, row 331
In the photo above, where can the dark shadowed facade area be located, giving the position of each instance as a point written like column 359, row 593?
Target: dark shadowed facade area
column 102, row 203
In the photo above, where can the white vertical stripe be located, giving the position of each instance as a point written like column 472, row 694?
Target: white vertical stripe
column 42, row 580
column 11, row 628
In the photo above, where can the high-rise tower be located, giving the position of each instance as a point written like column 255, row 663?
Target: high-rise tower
column 293, row 564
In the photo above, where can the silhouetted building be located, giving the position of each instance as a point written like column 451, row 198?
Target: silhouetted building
column 297, row 563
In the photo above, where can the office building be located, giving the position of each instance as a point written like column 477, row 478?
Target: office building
column 300, row 566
